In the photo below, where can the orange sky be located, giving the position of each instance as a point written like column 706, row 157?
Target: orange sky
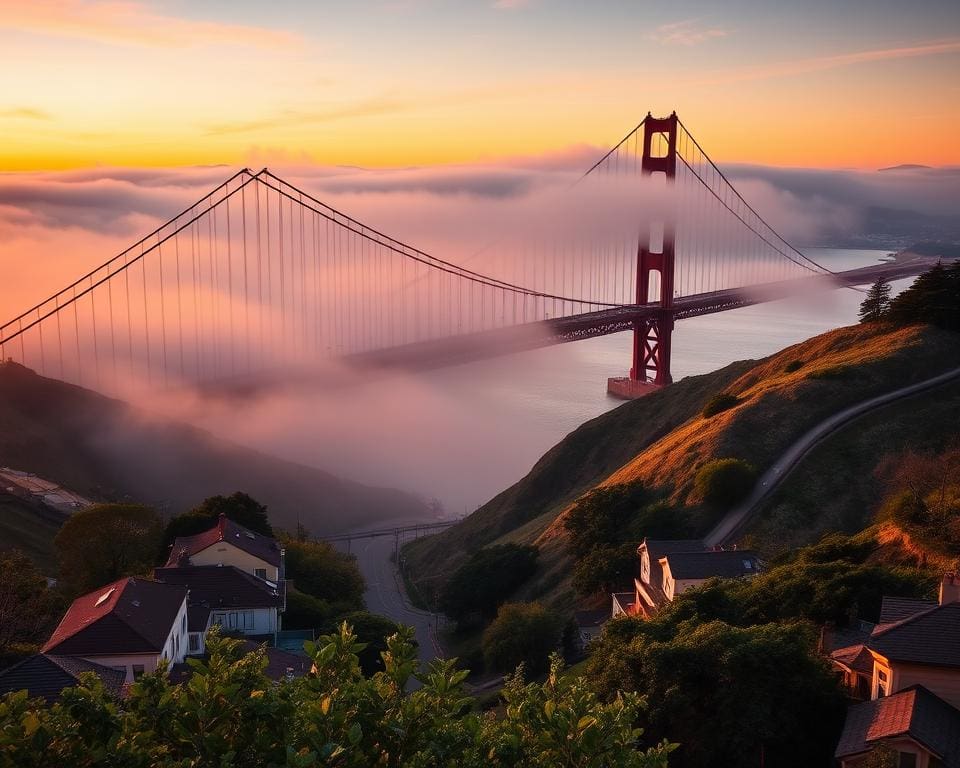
column 128, row 82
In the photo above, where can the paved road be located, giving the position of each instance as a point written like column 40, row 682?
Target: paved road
column 733, row 521
column 385, row 596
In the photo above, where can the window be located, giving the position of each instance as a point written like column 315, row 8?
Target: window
column 219, row 619
column 260, row 573
column 194, row 642
column 120, row 668
column 105, row 596
column 248, row 619
column 883, row 683
column 908, row 760
column 137, row 671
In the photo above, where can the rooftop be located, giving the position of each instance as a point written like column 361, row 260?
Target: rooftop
column 45, row 676
column 215, row 587
column 128, row 616
column 280, row 663
column 931, row 636
column 226, row 530
column 913, row 712
column 706, row 565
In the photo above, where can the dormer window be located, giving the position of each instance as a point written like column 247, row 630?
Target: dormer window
column 105, row 596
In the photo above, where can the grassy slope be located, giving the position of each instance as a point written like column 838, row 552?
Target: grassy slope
column 107, row 450
column 817, row 497
column 580, row 461
column 839, row 368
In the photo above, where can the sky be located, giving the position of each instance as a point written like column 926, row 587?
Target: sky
column 860, row 84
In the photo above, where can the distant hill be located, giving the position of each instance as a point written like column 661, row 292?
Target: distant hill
column 662, row 440
column 108, row 450
column 906, row 167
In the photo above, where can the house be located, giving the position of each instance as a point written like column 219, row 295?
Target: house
column 914, row 683
column 921, row 727
column 45, row 676
column 228, row 597
column 229, row 543
column 669, row 567
column 130, row 625
column 590, row 625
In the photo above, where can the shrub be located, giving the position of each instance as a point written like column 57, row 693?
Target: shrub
column 725, row 482
column 522, row 633
column 486, row 580
column 722, row 401
column 793, row 365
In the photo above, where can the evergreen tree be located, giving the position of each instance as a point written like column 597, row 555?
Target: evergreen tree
column 874, row 307
column 933, row 298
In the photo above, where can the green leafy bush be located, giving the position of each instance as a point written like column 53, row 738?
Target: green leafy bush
column 722, row 401
column 522, row 633
column 725, row 482
column 230, row 714
column 486, row 580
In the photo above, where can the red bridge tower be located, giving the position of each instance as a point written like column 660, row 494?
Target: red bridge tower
column 652, row 335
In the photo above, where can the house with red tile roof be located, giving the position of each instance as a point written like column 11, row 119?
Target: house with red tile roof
column 130, row 625
column 913, row 655
column 229, row 543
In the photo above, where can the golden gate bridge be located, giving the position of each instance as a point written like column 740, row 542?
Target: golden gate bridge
column 259, row 276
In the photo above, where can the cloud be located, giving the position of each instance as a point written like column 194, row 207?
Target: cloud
column 510, row 5
column 823, row 63
column 367, row 108
column 127, row 22
column 25, row 113
column 689, row 32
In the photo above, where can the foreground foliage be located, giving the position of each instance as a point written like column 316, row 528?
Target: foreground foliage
column 230, row 714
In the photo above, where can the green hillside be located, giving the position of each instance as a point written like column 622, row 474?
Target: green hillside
column 661, row 441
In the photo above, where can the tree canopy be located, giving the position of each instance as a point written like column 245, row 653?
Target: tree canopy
column 28, row 608
column 933, row 298
column 105, row 542
column 239, row 507
column 522, row 633
column 875, row 304
column 486, row 580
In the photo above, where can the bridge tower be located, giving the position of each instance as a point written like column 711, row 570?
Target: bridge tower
column 652, row 336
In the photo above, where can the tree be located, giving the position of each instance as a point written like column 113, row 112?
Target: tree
column 722, row 401
column 479, row 586
column 230, row 713
column 324, row 572
column 104, row 542
column 604, row 568
column 522, row 633
column 306, row 611
column 720, row 690
column 28, row 608
column 373, row 631
column 724, row 482
column 239, row 507
column 876, row 303
column 602, row 516
column 933, row 298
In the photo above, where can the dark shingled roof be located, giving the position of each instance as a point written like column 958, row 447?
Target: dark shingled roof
column 929, row 637
column 913, row 712
column 854, row 657
column 706, row 565
column 595, row 618
column 45, row 676
column 128, row 616
column 280, row 663
column 894, row 609
column 222, row 586
column 226, row 530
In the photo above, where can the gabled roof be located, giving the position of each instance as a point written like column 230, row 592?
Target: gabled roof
column 255, row 544
column 221, row 586
column 594, row 618
column 929, row 637
column 894, row 609
column 706, row 565
column 854, row 657
column 913, row 712
column 126, row 617
column 45, row 676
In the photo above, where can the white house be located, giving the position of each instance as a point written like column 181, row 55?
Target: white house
column 229, row 543
column 129, row 625
column 226, row 596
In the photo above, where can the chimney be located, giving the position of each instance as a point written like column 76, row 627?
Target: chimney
column 950, row 588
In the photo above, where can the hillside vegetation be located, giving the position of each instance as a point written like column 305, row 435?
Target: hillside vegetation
column 777, row 400
column 107, row 450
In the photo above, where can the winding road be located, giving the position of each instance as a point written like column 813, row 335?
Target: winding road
column 733, row 522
